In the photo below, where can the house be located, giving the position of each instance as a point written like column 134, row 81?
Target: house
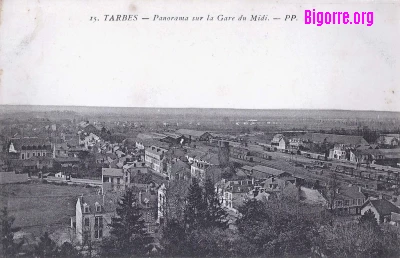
column 178, row 170
column 366, row 156
column 346, row 140
column 388, row 140
column 148, row 200
column 113, row 179
column 279, row 142
column 37, row 163
column 390, row 157
column 205, row 166
column 193, row 135
column 88, row 141
column 262, row 172
column 194, row 154
column 60, row 150
column 25, row 148
column 348, row 200
column 277, row 185
column 296, row 143
column 92, row 215
column 154, row 157
column 198, row 170
column 339, row 152
column 381, row 208
column 133, row 169
column 234, row 196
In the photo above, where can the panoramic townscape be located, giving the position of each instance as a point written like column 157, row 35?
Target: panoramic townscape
column 127, row 182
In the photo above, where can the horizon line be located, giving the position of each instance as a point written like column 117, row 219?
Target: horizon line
column 222, row 108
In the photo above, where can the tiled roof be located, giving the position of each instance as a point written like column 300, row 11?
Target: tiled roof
column 109, row 205
column 112, row 172
column 19, row 142
column 350, row 192
column 178, row 166
column 335, row 138
column 384, row 207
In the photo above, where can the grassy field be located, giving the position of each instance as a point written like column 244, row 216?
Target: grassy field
column 39, row 207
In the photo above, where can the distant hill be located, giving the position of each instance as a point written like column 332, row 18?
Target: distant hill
column 203, row 112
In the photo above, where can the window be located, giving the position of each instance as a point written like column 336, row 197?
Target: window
column 98, row 233
column 98, row 222
column 98, row 208
column 118, row 181
column 86, row 209
column 86, row 222
column 346, row 202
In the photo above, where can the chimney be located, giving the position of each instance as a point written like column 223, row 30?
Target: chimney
column 380, row 197
column 359, row 189
column 140, row 197
column 103, row 198
column 337, row 190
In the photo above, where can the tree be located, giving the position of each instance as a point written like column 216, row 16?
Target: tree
column 128, row 235
column 194, row 215
column 279, row 228
column 9, row 247
column 215, row 215
column 360, row 240
column 174, row 239
column 332, row 190
column 368, row 218
column 46, row 247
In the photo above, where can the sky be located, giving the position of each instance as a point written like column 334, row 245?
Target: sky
column 51, row 54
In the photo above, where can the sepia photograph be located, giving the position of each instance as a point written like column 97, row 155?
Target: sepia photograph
column 203, row 128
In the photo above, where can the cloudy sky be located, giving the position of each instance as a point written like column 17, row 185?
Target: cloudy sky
column 51, row 54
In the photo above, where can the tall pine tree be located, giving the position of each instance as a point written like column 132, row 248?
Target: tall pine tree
column 195, row 208
column 215, row 215
column 128, row 235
